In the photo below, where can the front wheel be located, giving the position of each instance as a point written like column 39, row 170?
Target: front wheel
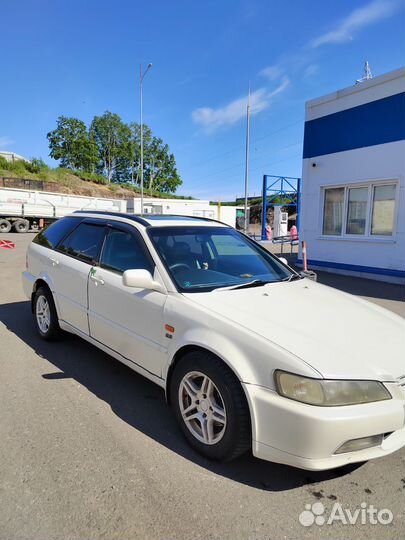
column 210, row 406
column 46, row 317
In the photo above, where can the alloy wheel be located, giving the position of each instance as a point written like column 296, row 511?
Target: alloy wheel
column 43, row 314
column 202, row 407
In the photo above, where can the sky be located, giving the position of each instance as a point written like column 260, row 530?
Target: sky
column 81, row 57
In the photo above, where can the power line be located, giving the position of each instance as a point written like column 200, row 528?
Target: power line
column 202, row 179
column 260, row 167
column 217, row 156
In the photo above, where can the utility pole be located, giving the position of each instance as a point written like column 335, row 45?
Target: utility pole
column 246, row 220
column 141, row 77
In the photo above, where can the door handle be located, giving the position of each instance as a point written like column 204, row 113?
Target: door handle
column 54, row 262
column 97, row 280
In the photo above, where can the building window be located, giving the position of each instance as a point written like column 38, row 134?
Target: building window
column 383, row 210
column 357, row 210
column 333, row 211
column 367, row 210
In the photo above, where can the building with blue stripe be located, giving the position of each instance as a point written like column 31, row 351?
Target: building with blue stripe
column 353, row 179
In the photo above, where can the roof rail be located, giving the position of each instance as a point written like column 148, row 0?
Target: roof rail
column 132, row 217
column 198, row 218
column 143, row 219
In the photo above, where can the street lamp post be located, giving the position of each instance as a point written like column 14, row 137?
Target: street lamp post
column 246, row 222
column 141, row 77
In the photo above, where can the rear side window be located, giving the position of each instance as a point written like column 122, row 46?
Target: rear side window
column 84, row 242
column 124, row 251
column 53, row 234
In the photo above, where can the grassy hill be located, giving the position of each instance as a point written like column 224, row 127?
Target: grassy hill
column 37, row 175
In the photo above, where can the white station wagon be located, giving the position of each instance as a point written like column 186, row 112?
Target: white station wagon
column 251, row 354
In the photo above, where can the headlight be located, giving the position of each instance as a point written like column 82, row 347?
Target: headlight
column 329, row 393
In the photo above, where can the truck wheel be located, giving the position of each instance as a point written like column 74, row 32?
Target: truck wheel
column 5, row 226
column 21, row 225
column 45, row 314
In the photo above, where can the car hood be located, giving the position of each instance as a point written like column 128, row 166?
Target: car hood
column 339, row 335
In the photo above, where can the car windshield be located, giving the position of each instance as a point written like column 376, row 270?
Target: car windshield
column 208, row 258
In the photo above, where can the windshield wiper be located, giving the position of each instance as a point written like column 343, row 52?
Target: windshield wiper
column 253, row 283
column 292, row 277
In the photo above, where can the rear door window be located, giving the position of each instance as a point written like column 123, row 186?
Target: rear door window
column 54, row 233
column 84, row 243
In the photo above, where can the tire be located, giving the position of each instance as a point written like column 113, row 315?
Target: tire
column 5, row 226
column 21, row 225
column 224, row 433
column 46, row 318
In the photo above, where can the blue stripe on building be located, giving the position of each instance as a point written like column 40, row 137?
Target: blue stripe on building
column 355, row 268
column 377, row 122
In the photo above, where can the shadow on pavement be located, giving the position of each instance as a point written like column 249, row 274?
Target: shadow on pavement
column 141, row 404
column 363, row 287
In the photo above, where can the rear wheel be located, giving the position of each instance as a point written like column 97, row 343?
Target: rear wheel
column 21, row 225
column 5, row 226
column 210, row 406
column 46, row 317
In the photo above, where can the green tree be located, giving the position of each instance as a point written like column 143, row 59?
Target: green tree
column 159, row 165
column 112, row 138
column 71, row 143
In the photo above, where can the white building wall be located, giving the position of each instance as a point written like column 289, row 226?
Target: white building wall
column 377, row 164
column 12, row 156
column 377, row 88
column 375, row 257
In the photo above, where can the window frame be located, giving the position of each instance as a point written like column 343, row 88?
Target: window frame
column 65, row 234
column 368, row 237
column 256, row 246
column 122, row 227
column 85, row 221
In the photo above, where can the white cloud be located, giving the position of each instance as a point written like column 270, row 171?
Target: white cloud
column 311, row 70
column 5, row 141
column 272, row 72
column 212, row 119
column 356, row 20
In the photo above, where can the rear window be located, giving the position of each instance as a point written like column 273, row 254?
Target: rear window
column 84, row 242
column 53, row 234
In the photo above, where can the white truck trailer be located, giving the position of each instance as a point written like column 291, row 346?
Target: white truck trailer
column 22, row 210
column 184, row 207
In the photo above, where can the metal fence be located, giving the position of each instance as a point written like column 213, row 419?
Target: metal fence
column 281, row 240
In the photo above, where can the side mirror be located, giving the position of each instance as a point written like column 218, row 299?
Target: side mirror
column 283, row 260
column 140, row 279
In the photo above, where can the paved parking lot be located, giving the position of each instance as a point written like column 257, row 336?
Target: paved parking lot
column 88, row 449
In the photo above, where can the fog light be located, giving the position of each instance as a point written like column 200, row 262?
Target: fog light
column 360, row 444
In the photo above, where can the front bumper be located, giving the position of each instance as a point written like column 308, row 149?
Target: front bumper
column 306, row 436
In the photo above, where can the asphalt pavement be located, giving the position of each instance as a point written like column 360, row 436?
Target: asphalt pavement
column 89, row 450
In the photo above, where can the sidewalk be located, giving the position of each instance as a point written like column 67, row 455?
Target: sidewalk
column 385, row 294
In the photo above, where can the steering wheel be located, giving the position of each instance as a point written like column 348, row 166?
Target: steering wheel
column 176, row 266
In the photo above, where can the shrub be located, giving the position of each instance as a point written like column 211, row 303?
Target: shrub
column 37, row 165
column 19, row 167
column 3, row 163
column 128, row 185
column 91, row 177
